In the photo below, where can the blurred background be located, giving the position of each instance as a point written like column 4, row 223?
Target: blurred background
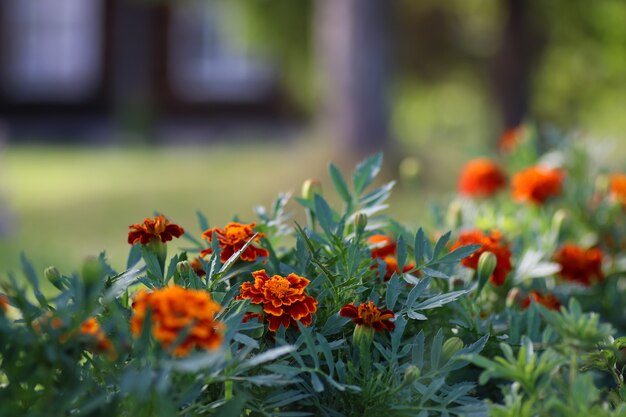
column 113, row 109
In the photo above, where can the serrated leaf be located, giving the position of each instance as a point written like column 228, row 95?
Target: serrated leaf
column 441, row 244
column 458, row 254
column 339, row 183
column 393, row 291
column 434, row 273
column 365, row 172
column 233, row 258
column 440, row 300
column 268, row 355
column 324, row 214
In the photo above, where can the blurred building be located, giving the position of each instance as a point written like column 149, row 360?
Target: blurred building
column 79, row 68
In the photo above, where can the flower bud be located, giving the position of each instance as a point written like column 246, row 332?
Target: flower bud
column 92, row 271
column 310, row 188
column 411, row 374
column 360, row 222
column 363, row 336
column 486, row 265
column 183, row 268
column 557, row 220
column 53, row 275
column 454, row 215
column 450, row 347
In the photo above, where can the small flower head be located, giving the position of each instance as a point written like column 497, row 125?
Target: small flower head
column 382, row 246
column 617, row 188
column 481, row 178
column 198, row 268
column 549, row 301
column 583, row 266
column 175, row 310
column 536, row 184
column 368, row 315
column 391, row 266
column 493, row 243
column 156, row 228
column 91, row 328
column 510, row 138
column 283, row 298
column 232, row 238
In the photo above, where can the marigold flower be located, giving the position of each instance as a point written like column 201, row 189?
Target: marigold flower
column 510, row 138
column 4, row 303
column 283, row 298
column 367, row 314
column 549, row 301
column 493, row 243
column 579, row 265
column 197, row 267
column 382, row 246
column 232, row 238
column 391, row 266
column 175, row 310
column 156, row 228
column 91, row 327
column 481, row 178
column 536, row 184
column 617, row 187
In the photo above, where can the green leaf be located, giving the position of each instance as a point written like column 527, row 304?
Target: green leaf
column 440, row 300
column 340, row 183
column 419, row 246
column 233, row 258
column 324, row 214
column 202, row 221
column 441, row 244
column 393, row 290
column 134, row 255
column 268, row 355
column 458, row 254
column 31, row 276
column 365, row 173
column 316, row 383
column 435, row 350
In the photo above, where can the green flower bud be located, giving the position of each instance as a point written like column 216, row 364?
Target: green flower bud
column 92, row 271
column 486, row 265
column 363, row 336
column 53, row 275
column 454, row 215
column 183, row 268
column 310, row 188
column 450, row 347
column 360, row 222
column 557, row 220
column 411, row 374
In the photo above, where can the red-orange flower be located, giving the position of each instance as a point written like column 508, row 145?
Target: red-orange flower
column 175, row 310
column 549, row 301
column 91, row 327
column 579, row 265
column 156, row 228
column 197, row 267
column 382, row 246
column 4, row 303
column 232, row 238
column 283, row 298
column 391, row 266
column 510, row 138
column 367, row 314
column 481, row 178
column 536, row 184
column 617, row 187
column 493, row 243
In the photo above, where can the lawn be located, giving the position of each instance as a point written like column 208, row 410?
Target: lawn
column 68, row 203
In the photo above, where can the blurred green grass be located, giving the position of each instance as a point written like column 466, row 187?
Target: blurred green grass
column 68, row 203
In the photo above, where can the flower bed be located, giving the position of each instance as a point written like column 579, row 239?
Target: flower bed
column 514, row 312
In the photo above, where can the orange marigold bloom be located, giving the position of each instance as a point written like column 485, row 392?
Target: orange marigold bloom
column 176, row 309
column 481, row 178
column 232, row 238
column 156, row 228
column 536, row 184
column 580, row 265
column 4, row 303
column 493, row 243
column 510, row 138
column 391, row 266
column 367, row 314
column 617, row 187
column 197, row 267
column 549, row 301
column 91, row 327
column 382, row 246
column 283, row 298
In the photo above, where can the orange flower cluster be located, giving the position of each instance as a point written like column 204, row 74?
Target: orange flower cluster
column 583, row 266
column 174, row 310
column 481, row 178
column 156, row 228
column 369, row 315
column 549, row 301
column 384, row 247
column 536, row 184
column 493, row 243
column 510, row 138
column 283, row 298
column 232, row 238
column 617, row 187
column 91, row 327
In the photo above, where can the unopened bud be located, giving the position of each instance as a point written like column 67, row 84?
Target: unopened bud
column 92, row 271
column 310, row 188
column 454, row 215
column 558, row 219
column 53, row 275
column 363, row 336
column 486, row 265
column 411, row 374
column 360, row 222
column 450, row 347
column 183, row 268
